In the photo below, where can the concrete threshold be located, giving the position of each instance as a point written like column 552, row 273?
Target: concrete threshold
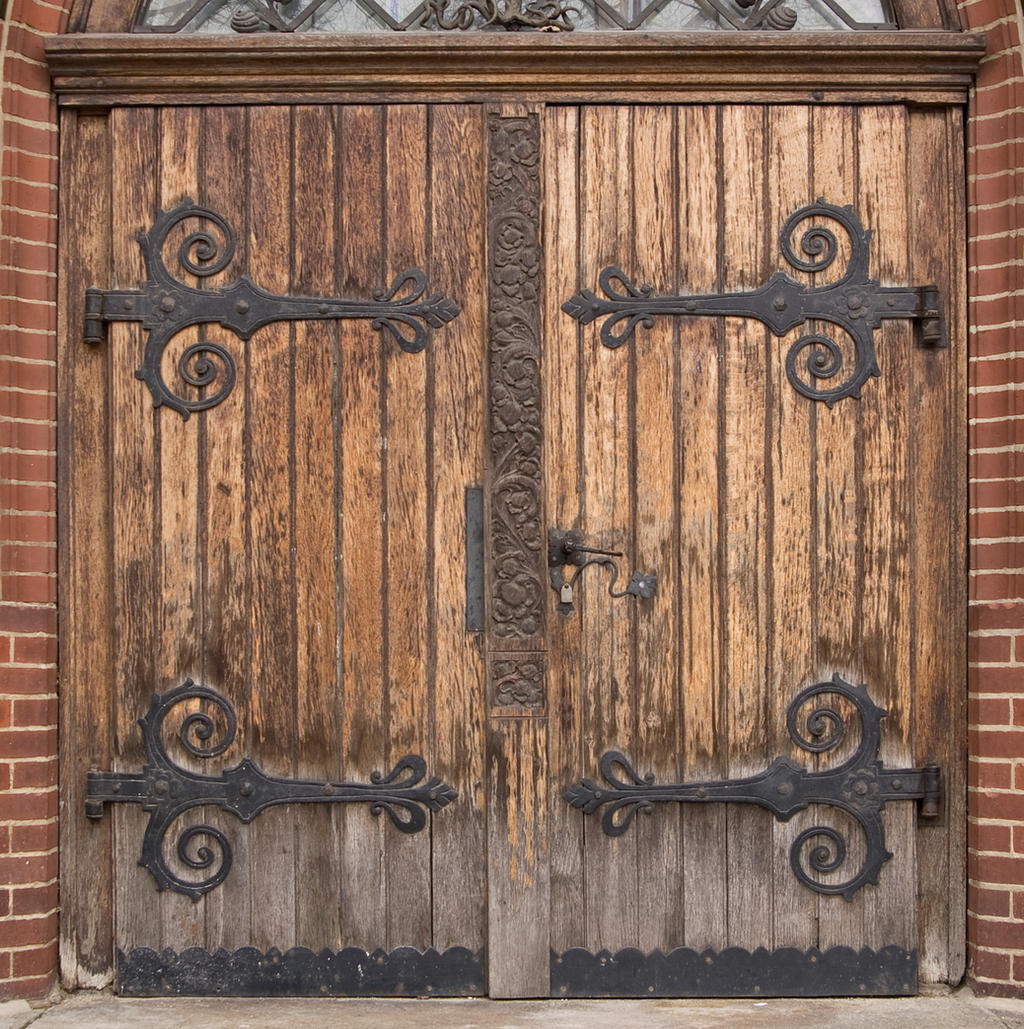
column 90, row 1010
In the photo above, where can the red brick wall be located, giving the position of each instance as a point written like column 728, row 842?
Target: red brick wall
column 996, row 676
column 28, row 582
column 28, row 800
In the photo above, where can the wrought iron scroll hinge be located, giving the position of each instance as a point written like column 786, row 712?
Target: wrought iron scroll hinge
column 566, row 548
column 167, row 791
column 854, row 303
column 861, row 786
column 165, row 306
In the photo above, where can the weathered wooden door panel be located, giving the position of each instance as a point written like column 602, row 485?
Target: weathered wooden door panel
column 301, row 545
column 792, row 540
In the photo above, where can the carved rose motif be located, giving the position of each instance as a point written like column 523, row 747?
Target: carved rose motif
column 518, row 683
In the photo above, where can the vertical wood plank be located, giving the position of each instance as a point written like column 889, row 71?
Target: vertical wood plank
column 746, row 519
column 563, row 500
column 83, row 477
column 226, row 586
column 318, row 709
column 660, row 912
column 364, row 729
column 885, row 626
column 838, row 497
column 455, row 455
column 517, row 790
column 269, row 366
column 607, row 625
column 176, row 546
column 790, row 627
column 407, row 491
column 936, row 537
column 701, row 355
column 134, row 205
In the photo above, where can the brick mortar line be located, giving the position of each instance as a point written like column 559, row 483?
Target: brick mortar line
column 43, row 94
column 977, row 330
column 1002, row 112
column 50, row 214
column 1010, row 201
column 29, row 947
column 975, row 177
column 31, row 123
column 977, row 298
column 1009, row 233
column 25, row 331
column 1004, row 20
column 33, row 241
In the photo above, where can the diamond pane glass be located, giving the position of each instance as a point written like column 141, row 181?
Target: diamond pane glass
column 229, row 16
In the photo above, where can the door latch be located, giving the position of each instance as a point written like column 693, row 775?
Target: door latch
column 566, row 548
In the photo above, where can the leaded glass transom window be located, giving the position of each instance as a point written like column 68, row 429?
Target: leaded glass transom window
column 225, row 16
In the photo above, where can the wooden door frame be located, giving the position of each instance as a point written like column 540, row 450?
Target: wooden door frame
column 95, row 71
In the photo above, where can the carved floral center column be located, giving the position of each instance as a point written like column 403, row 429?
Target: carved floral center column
column 517, row 569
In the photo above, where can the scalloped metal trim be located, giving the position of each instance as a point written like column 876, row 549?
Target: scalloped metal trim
column 735, row 972
column 299, row 972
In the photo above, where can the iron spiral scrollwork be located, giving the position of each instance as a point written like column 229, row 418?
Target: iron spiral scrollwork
column 167, row 791
column 507, row 14
column 860, row 786
column 855, row 304
column 166, row 306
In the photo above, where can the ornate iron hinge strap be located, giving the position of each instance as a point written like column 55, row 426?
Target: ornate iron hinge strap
column 860, row 786
column 167, row 791
column 854, row 303
column 165, row 306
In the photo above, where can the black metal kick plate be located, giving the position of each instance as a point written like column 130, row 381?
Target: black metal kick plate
column 352, row 972
column 734, row 972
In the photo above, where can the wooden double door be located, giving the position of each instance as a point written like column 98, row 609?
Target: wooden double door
column 345, row 547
